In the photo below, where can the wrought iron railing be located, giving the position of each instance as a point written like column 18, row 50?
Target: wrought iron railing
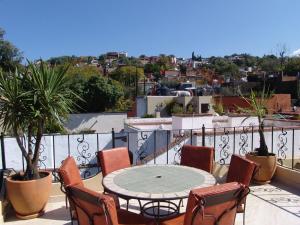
column 155, row 146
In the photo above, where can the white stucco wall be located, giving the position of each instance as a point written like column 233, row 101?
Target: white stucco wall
column 193, row 122
column 141, row 106
column 99, row 122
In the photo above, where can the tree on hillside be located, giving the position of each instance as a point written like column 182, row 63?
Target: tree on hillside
column 83, row 70
column 64, row 60
column 127, row 75
column 282, row 51
column 224, row 67
column 154, row 69
column 76, row 84
column 10, row 56
column 245, row 60
column 164, row 62
column 269, row 63
column 101, row 93
column 292, row 66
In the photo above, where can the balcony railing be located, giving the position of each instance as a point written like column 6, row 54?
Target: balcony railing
column 155, row 146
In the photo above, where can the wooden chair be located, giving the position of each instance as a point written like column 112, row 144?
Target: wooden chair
column 198, row 157
column 215, row 205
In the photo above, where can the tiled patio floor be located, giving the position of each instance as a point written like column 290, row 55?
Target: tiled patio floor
column 267, row 204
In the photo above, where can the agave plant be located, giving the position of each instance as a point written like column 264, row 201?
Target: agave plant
column 28, row 101
column 257, row 103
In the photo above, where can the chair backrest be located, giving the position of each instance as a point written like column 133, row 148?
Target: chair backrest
column 113, row 159
column 69, row 173
column 241, row 170
column 91, row 207
column 198, row 157
column 215, row 205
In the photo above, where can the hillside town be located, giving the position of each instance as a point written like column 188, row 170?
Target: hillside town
column 226, row 78
column 149, row 112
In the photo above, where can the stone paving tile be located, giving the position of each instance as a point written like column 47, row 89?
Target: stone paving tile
column 279, row 196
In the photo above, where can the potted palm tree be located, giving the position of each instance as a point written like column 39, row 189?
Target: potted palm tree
column 266, row 160
column 29, row 102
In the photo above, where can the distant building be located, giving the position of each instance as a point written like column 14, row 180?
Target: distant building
column 277, row 103
column 115, row 55
column 144, row 60
column 171, row 74
column 150, row 105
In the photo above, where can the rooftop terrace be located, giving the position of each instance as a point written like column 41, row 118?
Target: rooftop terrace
column 275, row 203
column 267, row 204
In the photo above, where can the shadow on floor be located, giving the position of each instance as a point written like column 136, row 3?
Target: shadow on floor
column 281, row 196
column 58, row 214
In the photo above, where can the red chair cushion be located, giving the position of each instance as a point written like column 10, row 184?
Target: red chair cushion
column 113, row 159
column 69, row 172
column 198, row 157
column 240, row 170
column 216, row 193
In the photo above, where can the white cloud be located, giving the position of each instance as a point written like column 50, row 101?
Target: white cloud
column 296, row 53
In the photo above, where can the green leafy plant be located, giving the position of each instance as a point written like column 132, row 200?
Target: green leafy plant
column 31, row 100
column 174, row 108
column 148, row 116
column 177, row 108
column 190, row 108
column 257, row 108
column 219, row 108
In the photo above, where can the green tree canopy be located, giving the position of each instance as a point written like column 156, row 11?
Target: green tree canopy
column 164, row 62
column 127, row 75
column 154, row 69
column 85, row 71
column 293, row 66
column 10, row 56
column 269, row 63
column 225, row 67
column 100, row 93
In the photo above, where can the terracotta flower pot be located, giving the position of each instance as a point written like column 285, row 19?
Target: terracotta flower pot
column 29, row 198
column 267, row 167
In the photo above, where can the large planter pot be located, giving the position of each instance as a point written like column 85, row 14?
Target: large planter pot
column 29, row 198
column 267, row 167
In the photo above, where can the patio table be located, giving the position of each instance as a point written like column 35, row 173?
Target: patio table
column 157, row 184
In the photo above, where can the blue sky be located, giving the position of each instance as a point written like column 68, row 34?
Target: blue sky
column 46, row 28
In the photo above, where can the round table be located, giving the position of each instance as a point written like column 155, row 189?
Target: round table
column 157, row 183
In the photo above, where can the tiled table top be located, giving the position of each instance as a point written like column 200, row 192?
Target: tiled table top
column 157, row 181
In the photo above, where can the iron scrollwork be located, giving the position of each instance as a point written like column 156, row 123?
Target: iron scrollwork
column 42, row 158
column 84, row 156
column 177, row 146
column 224, row 145
column 282, row 146
column 243, row 142
column 142, row 146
